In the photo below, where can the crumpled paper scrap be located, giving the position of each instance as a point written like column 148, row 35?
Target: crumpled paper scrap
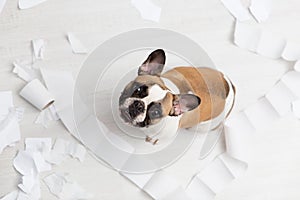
column 147, row 9
column 25, row 70
column 9, row 121
column 25, row 4
column 265, row 43
column 62, row 148
column 38, row 47
column 260, row 9
column 297, row 66
column 47, row 115
column 61, row 185
column 76, row 44
column 33, row 160
column 296, row 108
column 215, row 177
column 236, row 8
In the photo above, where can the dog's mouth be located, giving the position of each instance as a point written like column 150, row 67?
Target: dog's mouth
column 139, row 121
column 124, row 113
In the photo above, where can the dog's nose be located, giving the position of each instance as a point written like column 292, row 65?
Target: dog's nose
column 136, row 108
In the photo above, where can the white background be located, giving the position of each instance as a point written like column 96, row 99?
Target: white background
column 274, row 171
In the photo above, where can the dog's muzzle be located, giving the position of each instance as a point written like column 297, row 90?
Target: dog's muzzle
column 132, row 110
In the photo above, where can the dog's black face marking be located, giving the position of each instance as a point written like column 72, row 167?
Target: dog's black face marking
column 140, row 92
column 134, row 89
column 136, row 108
column 154, row 112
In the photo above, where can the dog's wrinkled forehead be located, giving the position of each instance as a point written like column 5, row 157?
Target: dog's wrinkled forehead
column 149, row 92
column 146, row 86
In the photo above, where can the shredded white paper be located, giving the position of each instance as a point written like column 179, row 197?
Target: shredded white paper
column 47, row 115
column 261, row 9
column 297, row 66
column 265, row 43
column 25, row 4
column 63, row 187
column 76, row 44
column 9, row 121
column 38, row 47
column 147, row 9
column 25, row 71
column 296, row 108
column 236, row 8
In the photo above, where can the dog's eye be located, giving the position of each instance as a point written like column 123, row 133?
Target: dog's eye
column 140, row 92
column 154, row 111
column 154, row 114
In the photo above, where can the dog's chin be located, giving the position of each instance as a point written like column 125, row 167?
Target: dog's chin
column 136, row 124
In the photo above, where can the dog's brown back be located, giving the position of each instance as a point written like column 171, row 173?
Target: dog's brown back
column 209, row 84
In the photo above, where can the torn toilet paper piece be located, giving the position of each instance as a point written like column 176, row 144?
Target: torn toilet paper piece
column 24, row 163
column 262, row 42
column 261, row 114
column 239, row 136
column 9, row 118
column 76, row 44
column 246, row 36
column 64, row 96
column 154, row 186
column 281, row 97
column 139, row 180
column 31, row 161
column 63, row 187
column 292, row 80
column 36, row 94
column 38, row 47
column 25, row 71
column 297, row 66
column 270, row 45
column 30, row 187
column 215, row 177
column 147, row 9
column 296, row 108
column 47, row 115
column 291, row 51
column 19, row 113
column 178, row 194
column 265, row 43
column 2, row 4
column 11, row 196
column 159, row 185
column 261, row 9
column 42, row 145
column 62, row 148
column 236, row 8
column 25, row 4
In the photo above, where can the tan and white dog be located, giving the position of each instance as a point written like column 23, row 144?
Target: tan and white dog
column 182, row 96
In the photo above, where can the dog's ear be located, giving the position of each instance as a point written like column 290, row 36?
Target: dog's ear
column 154, row 64
column 183, row 103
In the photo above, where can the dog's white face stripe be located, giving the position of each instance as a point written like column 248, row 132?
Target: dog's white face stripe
column 156, row 93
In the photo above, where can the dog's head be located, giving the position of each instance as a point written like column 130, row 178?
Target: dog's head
column 146, row 100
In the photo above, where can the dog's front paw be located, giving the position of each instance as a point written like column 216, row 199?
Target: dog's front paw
column 151, row 140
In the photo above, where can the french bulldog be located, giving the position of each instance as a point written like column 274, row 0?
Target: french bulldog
column 183, row 97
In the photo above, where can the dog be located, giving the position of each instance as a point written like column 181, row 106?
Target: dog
column 182, row 97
